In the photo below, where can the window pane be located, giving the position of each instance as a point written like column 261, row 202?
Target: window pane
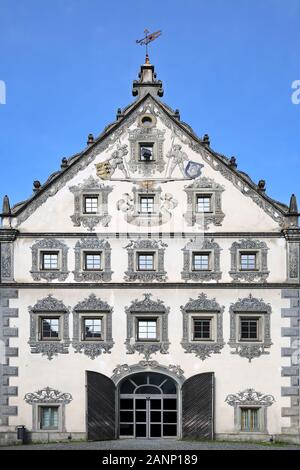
column 146, row 262
column 248, row 261
column 202, row 328
column 50, row 327
column 50, row 260
column 147, row 205
column 249, row 419
column 203, row 203
column 92, row 328
column 49, row 417
column 93, row 261
column 147, row 329
column 249, row 328
column 200, row 261
column 91, row 204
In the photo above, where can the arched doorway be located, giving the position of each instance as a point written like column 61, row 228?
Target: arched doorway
column 148, row 406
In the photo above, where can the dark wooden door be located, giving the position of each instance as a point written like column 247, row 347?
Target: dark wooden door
column 101, row 419
column 197, row 406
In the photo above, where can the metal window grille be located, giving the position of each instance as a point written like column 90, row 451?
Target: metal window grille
column 49, row 417
column 250, row 419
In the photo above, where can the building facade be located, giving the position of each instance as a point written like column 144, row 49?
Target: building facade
column 149, row 289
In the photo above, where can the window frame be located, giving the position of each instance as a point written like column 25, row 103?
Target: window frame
column 86, row 316
column 203, row 317
column 205, row 195
column 41, row 318
column 145, row 253
column 248, row 253
column 86, row 196
column 201, row 253
column 146, row 196
column 258, row 320
column 40, row 414
column 86, row 253
column 42, row 253
column 250, row 408
column 139, row 319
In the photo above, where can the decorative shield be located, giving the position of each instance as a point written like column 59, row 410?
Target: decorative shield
column 193, row 169
column 103, row 170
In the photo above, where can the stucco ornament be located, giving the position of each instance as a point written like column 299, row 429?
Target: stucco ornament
column 206, row 187
column 250, row 397
column 258, row 309
column 106, row 169
column 49, row 306
column 123, row 370
column 164, row 204
column 143, row 136
column 142, row 309
column 48, row 395
column 206, row 245
column 199, row 306
column 261, row 273
column 153, row 246
column 90, row 186
column 49, row 244
column 91, row 348
column 93, row 245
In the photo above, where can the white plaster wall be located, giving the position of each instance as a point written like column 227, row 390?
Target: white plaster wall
column 67, row 372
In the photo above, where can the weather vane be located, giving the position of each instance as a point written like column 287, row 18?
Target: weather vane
column 145, row 41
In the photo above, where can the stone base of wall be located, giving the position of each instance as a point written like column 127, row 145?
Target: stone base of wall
column 244, row 437
column 10, row 437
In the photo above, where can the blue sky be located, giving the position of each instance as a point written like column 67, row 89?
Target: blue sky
column 228, row 65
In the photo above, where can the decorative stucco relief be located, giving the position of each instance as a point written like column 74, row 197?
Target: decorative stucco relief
column 50, row 244
column 49, row 306
column 92, row 244
column 258, row 308
column 200, row 245
column 202, row 305
column 158, row 248
column 92, row 348
column 261, row 273
column 94, row 187
column 147, row 307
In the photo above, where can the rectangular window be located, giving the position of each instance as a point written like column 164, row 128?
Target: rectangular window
column 147, row 330
column 92, row 261
column 248, row 261
column 49, row 417
column 202, row 328
column 250, row 419
column 146, row 261
column 91, row 204
column 50, row 260
column 146, row 152
column 49, row 328
column 92, row 328
column 249, row 329
column 200, row 261
column 146, row 204
column 203, row 203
